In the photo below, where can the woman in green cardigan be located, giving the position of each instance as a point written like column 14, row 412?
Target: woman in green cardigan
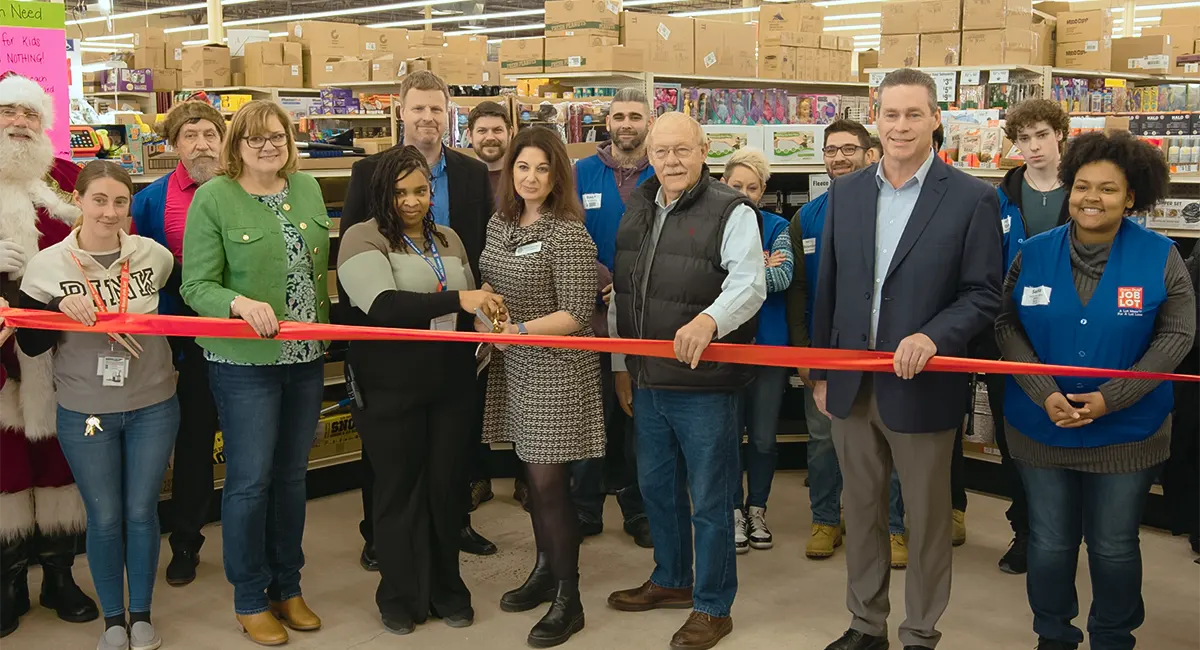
column 257, row 248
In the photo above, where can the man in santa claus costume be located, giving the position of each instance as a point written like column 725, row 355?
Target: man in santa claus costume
column 41, row 512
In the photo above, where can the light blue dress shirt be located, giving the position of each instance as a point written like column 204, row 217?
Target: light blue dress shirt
column 441, row 192
column 894, row 208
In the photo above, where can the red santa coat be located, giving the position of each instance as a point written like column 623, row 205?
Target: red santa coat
column 36, row 486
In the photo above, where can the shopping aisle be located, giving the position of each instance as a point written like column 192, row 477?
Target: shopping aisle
column 784, row 600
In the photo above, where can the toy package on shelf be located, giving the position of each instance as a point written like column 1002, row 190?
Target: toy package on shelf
column 775, row 106
column 586, row 121
column 794, row 143
column 543, row 112
column 723, row 140
column 800, row 109
column 666, row 98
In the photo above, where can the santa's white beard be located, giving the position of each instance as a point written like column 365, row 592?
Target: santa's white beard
column 24, row 160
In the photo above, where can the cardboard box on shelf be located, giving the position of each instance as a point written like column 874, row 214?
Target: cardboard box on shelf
column 940, row 16
column 426, row 37
column 130, row 80
column 1181, row 16
column 806, row 63
column 1183, row 38
column 374, row 42
column 325, row 38
column 800, row 39
column 352, row 69
column 866, row 61
column 777, row 62
column 942, row 49
column 725, row 49
column 901, row 17
column 165, row 80
column 237, row 64
column 149, row 37
column 293, row 53
column 1075, row 26
column 1085, row 55
column 205, row 66
column 150, row 57
column 829, row 42
column 997, row 14
column 899, row 50
column 669, row 42
column 320, row 70
column 265, row 75
column 458, row 70
column 385, row 68
column 237, row 78
column 469, row 45
column 578, row 16
column 491, row 72
column 1043, row 51
column 568, row 54
column 845, row 44
column 998, row 47
column 263, row 53
column 173, row 56
column 1142, row 54
column 778, row 23
column 523, row 56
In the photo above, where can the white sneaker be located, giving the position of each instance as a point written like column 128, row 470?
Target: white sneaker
column 114, row 638
column 760, row 535
column 143, row 637
column 740, row 541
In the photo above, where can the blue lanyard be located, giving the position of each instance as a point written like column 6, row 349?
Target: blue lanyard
column 436, row 264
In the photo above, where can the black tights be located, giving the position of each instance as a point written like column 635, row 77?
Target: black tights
column 555, row 521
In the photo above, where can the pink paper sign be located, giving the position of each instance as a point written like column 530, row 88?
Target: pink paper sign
column 33, row 44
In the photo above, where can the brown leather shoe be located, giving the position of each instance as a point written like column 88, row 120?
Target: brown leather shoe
column 263, row 628
column 650, row 596
column 296, row 614
column 701, row 632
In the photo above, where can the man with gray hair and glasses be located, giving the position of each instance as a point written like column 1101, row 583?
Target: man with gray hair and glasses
column 911, row 265
column 689, row 269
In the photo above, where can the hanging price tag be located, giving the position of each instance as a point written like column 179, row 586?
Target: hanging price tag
column 876, row 78
column 970, row 78
column 947, row 85
column 997, row 76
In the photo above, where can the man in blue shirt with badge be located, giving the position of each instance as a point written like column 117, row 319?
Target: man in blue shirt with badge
column 605, row 182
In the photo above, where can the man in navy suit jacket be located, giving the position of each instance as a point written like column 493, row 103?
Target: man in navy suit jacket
column 911, row 265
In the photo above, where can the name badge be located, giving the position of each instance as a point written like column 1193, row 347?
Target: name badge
column 447, row 323
column 1006, row 224
column 112, row 368
column 591, row 201
column 529, row 249
column 1035, row 296
column 810, row 246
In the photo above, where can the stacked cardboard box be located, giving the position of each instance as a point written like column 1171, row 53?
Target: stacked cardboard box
column 205, row 66
column 585, row 35
column 1000, row 32
column 378, row 42
column 273, row 64
column 1084, row 40
column 323, row 44
column 790, row 43
column 1183, row 35
column 461, row 62
column 1142, row 54
column 668, row 43
column 725, row 49
column 570, row 18
column 900, row 28
column 525, row 56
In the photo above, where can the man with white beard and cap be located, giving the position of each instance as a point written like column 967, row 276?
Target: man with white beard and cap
column 41, row 512
column 196, row 131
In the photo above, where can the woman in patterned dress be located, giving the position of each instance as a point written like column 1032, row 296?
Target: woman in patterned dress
column 257, row 248
column 545, row 401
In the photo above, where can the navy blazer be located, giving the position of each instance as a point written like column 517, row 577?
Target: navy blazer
column 944, row 282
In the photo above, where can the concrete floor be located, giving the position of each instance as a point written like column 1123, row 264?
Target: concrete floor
column 785, row 600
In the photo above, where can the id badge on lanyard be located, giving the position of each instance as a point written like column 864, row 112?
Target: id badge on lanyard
column 447, row 322
column 112, row 366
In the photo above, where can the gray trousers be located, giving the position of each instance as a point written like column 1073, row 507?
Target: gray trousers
column 867, row 451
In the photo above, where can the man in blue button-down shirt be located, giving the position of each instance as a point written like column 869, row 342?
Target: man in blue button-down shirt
column 910, row 264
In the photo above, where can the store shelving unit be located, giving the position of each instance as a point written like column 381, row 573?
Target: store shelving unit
column 354, row 116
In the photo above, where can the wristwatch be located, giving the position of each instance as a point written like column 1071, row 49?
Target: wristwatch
column 521, row 328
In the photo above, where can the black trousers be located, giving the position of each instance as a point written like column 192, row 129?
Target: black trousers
column 420, row 454
column 192, row 474
column 1018, row 511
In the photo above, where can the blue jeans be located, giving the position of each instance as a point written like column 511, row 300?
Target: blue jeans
column 119, row 472
column 761, row 403
column 688, row 443
column 1105, row 510
column 825, row 475
column 268, row 419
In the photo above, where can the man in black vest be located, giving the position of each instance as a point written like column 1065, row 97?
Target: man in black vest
column 689, row 268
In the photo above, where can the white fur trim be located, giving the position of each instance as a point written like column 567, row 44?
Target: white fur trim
column 18, row 217
column 59, row 509
column 45, row 197
column 39, row 405
column 22, row 91
column 16, row 514
column 10, row 407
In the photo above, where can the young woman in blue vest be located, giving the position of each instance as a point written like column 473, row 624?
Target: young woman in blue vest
column 1101, row 292
column 747, row 171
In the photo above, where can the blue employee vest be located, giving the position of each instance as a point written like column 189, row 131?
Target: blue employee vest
column 772, row 317
column 1112, row 331
column 812, row 227
column 1013, row 226
column 602, row 203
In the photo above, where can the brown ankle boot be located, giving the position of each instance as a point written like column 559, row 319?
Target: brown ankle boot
column 263, row 628
column 296, row 614
column 701, row 632
column 650, row 596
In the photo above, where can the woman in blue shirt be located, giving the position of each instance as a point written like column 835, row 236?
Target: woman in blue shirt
column 1101, row 292
column 747, row 171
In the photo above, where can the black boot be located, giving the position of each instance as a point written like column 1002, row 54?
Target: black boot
column 539, row 588
column 56, row 554
column 14, row 585
column 564, row 619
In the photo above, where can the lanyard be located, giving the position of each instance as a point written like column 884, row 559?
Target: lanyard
column 439, row 269
column 123, row 302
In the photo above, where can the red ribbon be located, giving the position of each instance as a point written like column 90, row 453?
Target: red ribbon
column 757, row 355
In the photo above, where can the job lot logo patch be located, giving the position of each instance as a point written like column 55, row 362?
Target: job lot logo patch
column 1129, row 301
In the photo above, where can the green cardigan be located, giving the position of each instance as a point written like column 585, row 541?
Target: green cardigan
column 233, row 246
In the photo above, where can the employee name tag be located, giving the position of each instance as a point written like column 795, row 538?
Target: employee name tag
column 447, row 323
column 1035, row 296
column 113, row 368
column 591, row 201
column 1006, row 224
column 810, row 246
column 529, row 249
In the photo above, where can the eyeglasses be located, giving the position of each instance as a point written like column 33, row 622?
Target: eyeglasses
column 846, row 149
column 12, row 113
column 258, row 141
column 681, row 152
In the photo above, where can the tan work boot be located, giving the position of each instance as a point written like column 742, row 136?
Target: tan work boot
column 959, row 536
column 263, row 628
column 899, row 551
column 296, row 614
column 822, row 541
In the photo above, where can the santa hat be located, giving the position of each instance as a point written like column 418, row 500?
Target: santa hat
column 16, row 90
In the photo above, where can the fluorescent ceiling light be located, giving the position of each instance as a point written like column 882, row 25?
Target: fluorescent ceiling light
column 374, row 9
column 108, row 37
column 494, row 30
column 838, row 3
column 715, row 12
column 169, row 9
column 103, row 65
column 1174, row 5
column 850, row 28
column 865, row 37
column 106, row 47
column 1139, row 19
column 520, row 13
column 853, row 16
